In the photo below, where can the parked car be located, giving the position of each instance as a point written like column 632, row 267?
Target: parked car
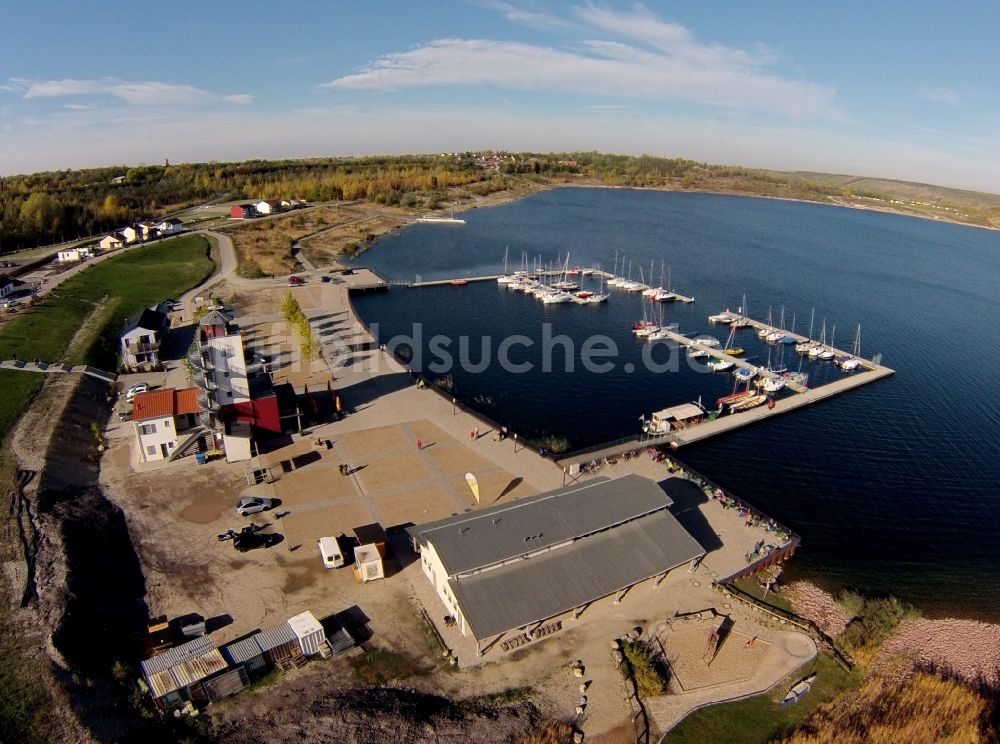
column 245, row 541
column 252, row 505
column 139, row 387
column 326, row 279
column 295, row 281
column 11, row 304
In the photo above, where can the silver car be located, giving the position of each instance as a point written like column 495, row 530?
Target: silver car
column 253, row 505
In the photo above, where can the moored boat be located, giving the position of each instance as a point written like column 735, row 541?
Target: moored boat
column 747, row 403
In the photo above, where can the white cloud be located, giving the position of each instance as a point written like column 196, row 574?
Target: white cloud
column 946, row 96
column 662, row 61
column 528, row 16
column 135, row 92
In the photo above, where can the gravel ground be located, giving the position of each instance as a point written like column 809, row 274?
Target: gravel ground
column 966, row 649
column 814, row 604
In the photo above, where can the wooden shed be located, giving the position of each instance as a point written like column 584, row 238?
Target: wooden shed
column 281, row 646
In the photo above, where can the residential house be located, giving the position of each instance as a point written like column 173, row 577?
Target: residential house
column 74, row 254
column 242, row 212
column 147, row 230
column 167, row 422
column 170, row 226
column 268, row 206
column 131, row 234
column 112, row 241
column 7, row 285
column 141, row 339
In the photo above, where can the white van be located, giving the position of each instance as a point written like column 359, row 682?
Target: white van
column 329, row 548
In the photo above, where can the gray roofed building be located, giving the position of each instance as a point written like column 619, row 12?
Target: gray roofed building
column 239, row 652
column 482, row 538
column 533, row 559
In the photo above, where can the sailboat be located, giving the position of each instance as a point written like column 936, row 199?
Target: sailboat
column 775, row 336
column 816, row 350
column 827, row 354
column 505, row 278
column 720, row 364
column 762, row 333
column 789, row 340
column 849, row 364
column 806, row 346
column 729, row 348
column 745, row 374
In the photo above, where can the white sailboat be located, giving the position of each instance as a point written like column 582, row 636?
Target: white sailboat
column 852, row 362
column 505, row 278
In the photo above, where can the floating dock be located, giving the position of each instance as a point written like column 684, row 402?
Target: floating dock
column 868, row 371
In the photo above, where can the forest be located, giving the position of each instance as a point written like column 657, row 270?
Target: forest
column 46, row 208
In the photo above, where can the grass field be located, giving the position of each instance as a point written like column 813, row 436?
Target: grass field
column 103, row 296
column 760, row 719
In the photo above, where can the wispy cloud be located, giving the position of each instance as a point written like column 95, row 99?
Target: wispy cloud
column 527, row 15
column 657, row 60
column 946, row 96
column 134, row 92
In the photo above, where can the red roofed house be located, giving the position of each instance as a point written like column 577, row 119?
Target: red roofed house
column 167, row 421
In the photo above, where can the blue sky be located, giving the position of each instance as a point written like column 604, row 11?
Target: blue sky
column 906, row 91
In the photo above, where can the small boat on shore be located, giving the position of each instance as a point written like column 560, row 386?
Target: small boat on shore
column 798, row 690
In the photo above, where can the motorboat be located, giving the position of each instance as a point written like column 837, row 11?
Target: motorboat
column 717, row 364
column 745, row 374
column 772, row 384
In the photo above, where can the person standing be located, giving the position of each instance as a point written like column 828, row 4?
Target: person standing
column 420, row 444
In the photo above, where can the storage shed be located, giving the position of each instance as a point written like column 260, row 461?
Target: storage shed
column 247, row 653
column 280, row 645
column 174, row 676
column 370, row 552
column 308, row 631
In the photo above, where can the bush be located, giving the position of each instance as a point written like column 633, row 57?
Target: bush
column 852, row 602
column 648, row 677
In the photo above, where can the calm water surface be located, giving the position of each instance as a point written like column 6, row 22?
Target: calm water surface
column 893, row 486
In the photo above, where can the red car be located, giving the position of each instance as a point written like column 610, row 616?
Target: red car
column 294, row 281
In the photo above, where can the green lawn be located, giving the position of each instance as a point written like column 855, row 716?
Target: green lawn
column 761, row 719
column 126, row 283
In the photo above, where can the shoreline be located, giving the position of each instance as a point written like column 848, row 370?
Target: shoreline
column 968, row 650
column 511, row 197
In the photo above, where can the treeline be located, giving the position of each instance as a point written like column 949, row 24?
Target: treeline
column 45, row 208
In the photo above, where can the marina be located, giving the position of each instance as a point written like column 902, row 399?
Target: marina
column 720, row 248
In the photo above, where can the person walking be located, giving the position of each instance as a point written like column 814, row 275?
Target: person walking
column 475, row 434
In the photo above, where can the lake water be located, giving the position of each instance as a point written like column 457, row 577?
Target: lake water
column 893, row 486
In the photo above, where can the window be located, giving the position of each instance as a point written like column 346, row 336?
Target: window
column 166, row 423
column 171, row 445
column 147, row 429
column 150, row 450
